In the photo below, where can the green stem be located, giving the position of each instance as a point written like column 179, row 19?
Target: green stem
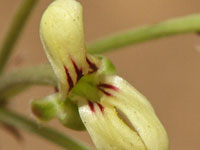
column 50, row 134
column 167, row 28
column 14, row 31
column 13, row 82
column 43, row 75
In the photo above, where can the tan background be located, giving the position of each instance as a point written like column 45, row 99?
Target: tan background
column 167, row 71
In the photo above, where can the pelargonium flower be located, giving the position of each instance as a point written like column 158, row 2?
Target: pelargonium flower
column 90, row 92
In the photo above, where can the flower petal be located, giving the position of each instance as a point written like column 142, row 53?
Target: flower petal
column 137, row 109
column 106, row 129
column 62, row 36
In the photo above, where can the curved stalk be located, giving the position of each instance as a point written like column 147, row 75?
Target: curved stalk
column 43, row 75
column 14, row 31
column 142, row 34
column 48, row 133
column 13, row 82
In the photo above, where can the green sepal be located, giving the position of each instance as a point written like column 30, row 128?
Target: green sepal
column 47, row 108
column 107, row 67
column 69, row 116
column 52, row 107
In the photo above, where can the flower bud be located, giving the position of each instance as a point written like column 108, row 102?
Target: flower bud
column 51, row 107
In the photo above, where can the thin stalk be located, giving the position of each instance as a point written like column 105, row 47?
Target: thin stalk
column 43, row 75
column 142, row 34
column 14, row 31
column 48, row 133
column 14, row 82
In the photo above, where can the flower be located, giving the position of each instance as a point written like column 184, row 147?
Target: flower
column 90, row 89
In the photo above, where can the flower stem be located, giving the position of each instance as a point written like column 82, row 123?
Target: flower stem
column 142, row 34
column 48, row 133
column 14, row 82
column 14, row 31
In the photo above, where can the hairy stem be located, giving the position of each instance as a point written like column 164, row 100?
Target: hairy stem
column 13, row 82
column 48, row 133
column 14, row 31
column 142, row 34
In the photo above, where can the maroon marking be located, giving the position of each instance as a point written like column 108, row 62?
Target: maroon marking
column 79, row 72
column 105, row 92
column 69, row 79
column 91, row 105
column 91, row 65
column 109, row 86
column 101, row 107
column 36, row 112
column 56, row 89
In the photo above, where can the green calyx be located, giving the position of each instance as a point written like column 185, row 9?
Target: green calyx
column 70, row 117
column 52, row 107
column 47, row 108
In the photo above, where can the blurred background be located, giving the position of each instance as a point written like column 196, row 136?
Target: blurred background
column 166, row 71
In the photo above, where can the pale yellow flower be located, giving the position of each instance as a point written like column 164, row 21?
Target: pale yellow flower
column 62, row 36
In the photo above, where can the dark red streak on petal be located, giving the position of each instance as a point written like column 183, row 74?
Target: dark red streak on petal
column 69, row 79
column 100, row 107
column 109, row 86
column 91, row 105
column 79, row 72
column 105, row 92
column 91, row 65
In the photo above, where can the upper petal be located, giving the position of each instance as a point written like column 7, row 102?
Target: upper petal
column 62, row 36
